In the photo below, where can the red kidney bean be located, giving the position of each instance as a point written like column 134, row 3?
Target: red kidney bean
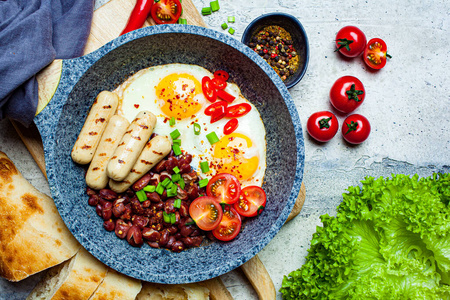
column 186, row 230
column 192, row 192
column 171, row 163
column 134, row 236
column 93, row 200
column 154, row 180
column 146, row 204
column 153, row 244
column 181, row 194
column 177, row 246
column 141, row 183
column 164, row 238
column 172, row 230
column 196, row 232
column 164, row 195
column 185, row 168
column 109, row 225
column 184, row 209
column 159, row 167
column 98, row 209
column 140, row 221
column 188, row 242
column 150, row 234
column 136, row 206
column 197, row 240
column 118, row 209
column 107, row 211
column 153, row 197
column 107, row 194
column 168, row 206
column 164, row 175
column 170, row 242
column 122, row 228
column 90, row 191
column 190, row 177
column 157, row 206
column 158, row 226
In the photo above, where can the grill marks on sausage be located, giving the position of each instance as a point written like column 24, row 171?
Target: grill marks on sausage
column 120, row 161
column 107, row 106
column 93, row 133
column 138, row 138
column 96, row 169
column 86, row 147
column 146, row 162
column 158, row 153
column 101, row 120
column 143, row 126
column 108, row 140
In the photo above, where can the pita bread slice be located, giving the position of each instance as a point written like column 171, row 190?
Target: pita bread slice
column 117, row 286
column 33, row 237
column 191, row 291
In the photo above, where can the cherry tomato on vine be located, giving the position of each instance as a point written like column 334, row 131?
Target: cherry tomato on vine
column 166, row 11
column 206, row 212
column 224, row 187
column 375, row 54
column 350, row 41
column 356, row 129
column 347, row 93
column 229, row 226
column 322, row 126
column 252, row 201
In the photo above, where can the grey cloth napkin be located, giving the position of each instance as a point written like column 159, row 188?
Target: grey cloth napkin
column 32, row 34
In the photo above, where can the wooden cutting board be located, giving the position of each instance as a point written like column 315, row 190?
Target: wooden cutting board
column 107, row 23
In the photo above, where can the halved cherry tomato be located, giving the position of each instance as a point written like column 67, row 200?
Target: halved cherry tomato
column 225, row 96
column 216, row 105
column 224, row 187
column 166, row 11
column 238, row 110
column 252, row 201
column 208, row 90
column 219, row 83
column 229, row 226
column 375, row 54
column 230, row 126
column 206, row 212
column 221, row 74
column 350, row 41
column 218, row 114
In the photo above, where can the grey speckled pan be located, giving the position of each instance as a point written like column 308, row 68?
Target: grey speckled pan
column 83, row 78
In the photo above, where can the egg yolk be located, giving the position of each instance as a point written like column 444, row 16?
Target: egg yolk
column 233, row 155
column 177, row 92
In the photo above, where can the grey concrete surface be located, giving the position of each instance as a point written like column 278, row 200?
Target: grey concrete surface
column 407, row 104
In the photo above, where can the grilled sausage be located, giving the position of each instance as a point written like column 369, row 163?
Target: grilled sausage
column 103, row 108
column 96, row 177
column 154, row 151
column 131, row 145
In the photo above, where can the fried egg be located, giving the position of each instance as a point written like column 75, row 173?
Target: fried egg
column 175, row 90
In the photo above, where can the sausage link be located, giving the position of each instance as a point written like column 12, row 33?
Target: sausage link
column 154, row 151
column 131, row 145
column 103, row 108
column 96, row 177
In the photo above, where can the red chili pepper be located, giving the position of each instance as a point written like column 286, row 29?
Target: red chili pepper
column 230, row 126
column 208, row 90
column 138, row 15
column 225, row 96
column 218, row 114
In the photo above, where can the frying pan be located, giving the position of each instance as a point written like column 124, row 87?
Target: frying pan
column 104, row 69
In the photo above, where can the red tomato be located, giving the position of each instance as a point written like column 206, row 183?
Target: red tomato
column 356, row 129
column 350, row 41
column 215, row 106
column 375, row 54
column 221, row 74
column 238, row 110
column 219, row 83
column 252, row 201
column 230, row 126
column 322, row 126
column 225, row 96
column 206, row 212
column 224, row 187
column 208, row 90
column 166, row 11
column 347, row 93
column 229, row 226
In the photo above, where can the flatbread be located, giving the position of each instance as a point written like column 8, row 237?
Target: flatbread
column 117, row 286
column 154, row 291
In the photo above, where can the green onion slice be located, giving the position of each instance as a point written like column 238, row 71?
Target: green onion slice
column 177, row 141
column 176, row 170
column 177, row 203
column 176, row 177
column 182, row 21
column 141, row 195
column 231, row 30
column 231, row 19
column 172, row 121
column 159, row 188
column 166, row 217
column 224, row 26
column 212, row 138
column 202, row 183
column 181, row 183
column 166, row 182
column 176, row 149
column 206, row 11
column 197, row 128
column 173, row 218
column 149, row 188
column 204, row 165
column 214, row 5
column 175, row 134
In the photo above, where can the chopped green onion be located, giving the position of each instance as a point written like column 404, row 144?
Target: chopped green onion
column 172, row 121
column 169, row 186
column 166, row 182
column 197, row 128
column 159, row 188
column 212, row 138
column 176, row 149
column 182, row 21
column 181, row 183
column 141, row 195
column 176, row 177
column 214, row 5
column 206, row 11
column 231, row 19
column 173, row 218
column 224, row 26
column 231, row 30
column 172, row 192
column 149, row 188
column 177, row 203
column 176, row 170
column 166, row 217
column 202, row 183
column 175, row 134
column 204, row 165
column 177, row 141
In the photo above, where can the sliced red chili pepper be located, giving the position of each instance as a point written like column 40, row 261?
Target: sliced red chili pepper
column 208, row 90
column 210, row 109
column 138, row 15
column 218, row 114
column 225, row 96
column 221, row 74
column 230, row 126
column 238, row 110
column 219, row 83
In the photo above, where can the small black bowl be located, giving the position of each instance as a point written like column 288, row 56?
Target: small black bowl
column 297, row 32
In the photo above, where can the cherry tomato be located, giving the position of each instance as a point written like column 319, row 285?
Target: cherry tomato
column 375, row 54
column 216, row 105
column 206, row 212
column 230, row 126
column 322, row 126
column 347, row 93
column 225, row 96
column 238, row 110
column 219, row 83
column 208, row 90
column 252, row 201
column 224, row 187
column 166, row 11
column 221, row 74
column 350, row 41
column 356, row 129
column 229, row 226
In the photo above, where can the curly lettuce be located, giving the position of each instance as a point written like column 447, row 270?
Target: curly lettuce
column 390, row 239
